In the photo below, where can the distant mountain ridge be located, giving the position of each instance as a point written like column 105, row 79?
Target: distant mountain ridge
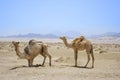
column 70, row 34
column 33, row 35
column 111, row 34
column 108, row 34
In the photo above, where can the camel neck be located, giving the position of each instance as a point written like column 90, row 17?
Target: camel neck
column 17, row 51
column 65, row 42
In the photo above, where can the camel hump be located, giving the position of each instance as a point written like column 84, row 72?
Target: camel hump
column 81, row 38
column 31, row 42
column 78, row 40
column 43, row 49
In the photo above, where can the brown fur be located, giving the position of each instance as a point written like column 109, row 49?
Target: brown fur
column 80, row 44
column 32, row 50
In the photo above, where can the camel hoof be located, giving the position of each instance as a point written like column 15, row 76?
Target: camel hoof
column 37, row 65
column 42, row 65
column 75, row 66
column 50, row 64
column 85, row 66
column 30, row 66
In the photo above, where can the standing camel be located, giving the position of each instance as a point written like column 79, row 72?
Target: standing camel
column 32, row 50
column 80, row 44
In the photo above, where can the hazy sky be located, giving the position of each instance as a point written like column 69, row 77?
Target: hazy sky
column 46, row 16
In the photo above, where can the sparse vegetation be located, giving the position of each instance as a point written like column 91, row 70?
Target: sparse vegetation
column 107, row 65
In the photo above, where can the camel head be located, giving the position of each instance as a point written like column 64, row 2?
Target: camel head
column 16, row 44
column 63, row 38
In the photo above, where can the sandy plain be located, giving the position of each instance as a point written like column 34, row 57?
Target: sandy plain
column 107, row 62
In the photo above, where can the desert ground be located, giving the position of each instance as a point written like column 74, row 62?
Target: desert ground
column 107, row 62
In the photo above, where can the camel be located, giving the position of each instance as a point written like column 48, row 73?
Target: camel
column 32, row 50
column 80, row 43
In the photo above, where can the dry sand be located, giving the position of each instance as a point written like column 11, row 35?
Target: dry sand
column 107, row 63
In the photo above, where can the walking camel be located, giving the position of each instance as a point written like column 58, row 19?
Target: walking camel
column 80, row 43
column 32, row 50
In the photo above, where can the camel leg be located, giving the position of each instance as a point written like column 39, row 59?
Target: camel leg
column 49, row 56
column 44, row 59
column 31, row 62
column 92, row 60
column 28, row 62
column 88, row 55
column 75, row 56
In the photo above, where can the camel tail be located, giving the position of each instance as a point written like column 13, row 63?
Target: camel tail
column 42, row 49
column 92, row 55
column 91, row 51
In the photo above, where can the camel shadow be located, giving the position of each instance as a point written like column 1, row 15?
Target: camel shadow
column 83, row 67
column 78, row 67
column 37, row 65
